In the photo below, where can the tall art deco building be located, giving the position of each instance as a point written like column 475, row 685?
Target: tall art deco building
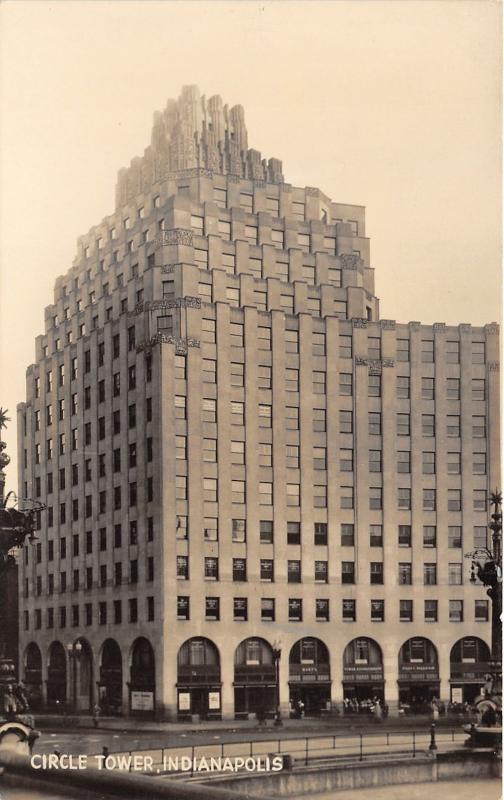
column 239, row 456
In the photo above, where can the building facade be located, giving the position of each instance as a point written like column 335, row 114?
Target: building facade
column 239, row 456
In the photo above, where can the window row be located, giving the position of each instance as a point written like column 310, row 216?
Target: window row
column 268, row 609
column 88, row 614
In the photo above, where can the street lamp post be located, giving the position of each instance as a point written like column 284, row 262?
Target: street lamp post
column 74, row 652
column 277, row 652
column 486, row 567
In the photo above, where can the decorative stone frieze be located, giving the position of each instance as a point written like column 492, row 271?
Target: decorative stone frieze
column 177, row 302
column 182, row 236
column 388, row 324
column 350, row 261
column 181, row 345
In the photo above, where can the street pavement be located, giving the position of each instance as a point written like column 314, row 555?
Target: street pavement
column 239, row 741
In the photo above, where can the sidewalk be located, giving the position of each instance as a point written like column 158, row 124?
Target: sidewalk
column 310, row 725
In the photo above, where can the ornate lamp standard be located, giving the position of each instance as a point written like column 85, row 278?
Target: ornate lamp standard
column 74, row 651
column 277, row 652
column 486, row 567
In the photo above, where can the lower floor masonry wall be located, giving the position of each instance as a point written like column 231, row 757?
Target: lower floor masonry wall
column 215, row 678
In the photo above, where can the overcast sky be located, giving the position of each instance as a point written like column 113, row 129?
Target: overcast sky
column 392, row 105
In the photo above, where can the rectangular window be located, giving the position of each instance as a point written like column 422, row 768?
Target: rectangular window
column 428, row 463
column 427, row 388
column 239, row 569
column 406, row 610
column 454, row 536
column 480, row 500
column 478, row 352
column 267, row 569
column 346, row 460
column 375, row 536
column 427, row 351
column 319, row 420
column 454, row 500
column 453, row 388
column 478, row 389
column 428, row 425
column 345, row 346
column 376, row 572
column 295, row 610
column 293, row 571
column 454, row 573
column 453, row 463
column 377, row 610
column 481, row 610
column 212, row 608
column 452, row 352
column 404, row 461
column 346, row 421
column 430, row 574
column 375, row 423
column 403, row 350
column 479, row 464
column 265, row 494
column 345, row 384
column 374, row 385
column 293, row 494
column 404, row 539
column 402, row 387
column 348, row 610
column 456, row 610
column 319, row 533
column 319, row 385
column 322, row 610
column 479, row 427
column 347, row 572
column 240, row 609
column 429, row 536
column 266, row 531
column 375, row 460
column 375, row 497
column 183, row 567
column 208, row 330
column 292, row 380
column 430, row 610
column 429, row 499
column 238, row 490
column 293, row 533
column 267, row 609
column 404, row 574
column 453, row 425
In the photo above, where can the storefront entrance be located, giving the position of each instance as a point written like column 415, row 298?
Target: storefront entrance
column 110, row 683
column 418, row 676
column 469, row 669
column 198, row 680
column 309, row 678
column 362, row 675
column 142, row 684
column 254, row 679
column 33, row 675
column 57, row 677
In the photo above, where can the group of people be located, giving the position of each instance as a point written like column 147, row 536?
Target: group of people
column 371, row 706
column 14, row 700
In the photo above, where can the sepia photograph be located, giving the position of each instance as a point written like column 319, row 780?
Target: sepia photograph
column 250, row 446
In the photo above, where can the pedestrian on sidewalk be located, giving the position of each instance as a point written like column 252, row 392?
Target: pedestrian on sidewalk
column 96, row 714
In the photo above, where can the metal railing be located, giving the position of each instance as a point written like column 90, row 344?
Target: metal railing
column 302, row 750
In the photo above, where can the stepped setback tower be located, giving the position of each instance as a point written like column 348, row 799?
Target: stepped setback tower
column 257, row 491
